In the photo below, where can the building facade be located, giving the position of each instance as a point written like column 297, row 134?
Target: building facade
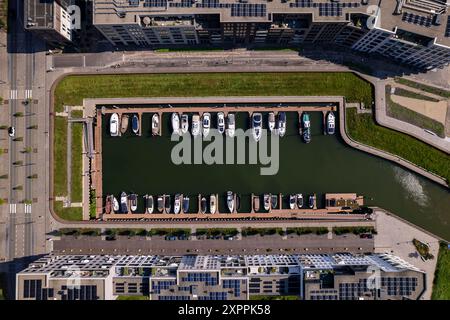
column 414, row 32
column 50, row 20
column 238, row 277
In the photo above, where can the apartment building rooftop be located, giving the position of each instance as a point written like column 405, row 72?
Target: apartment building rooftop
column 428, row 18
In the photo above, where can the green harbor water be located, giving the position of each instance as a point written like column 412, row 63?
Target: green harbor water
column 143, row 165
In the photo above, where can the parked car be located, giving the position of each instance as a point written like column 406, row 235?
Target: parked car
column 11, row 131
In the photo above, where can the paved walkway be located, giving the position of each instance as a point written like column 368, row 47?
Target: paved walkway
column 384, row 120
column 395, row 235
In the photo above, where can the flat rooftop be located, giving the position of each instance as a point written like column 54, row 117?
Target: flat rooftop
column 39, row 14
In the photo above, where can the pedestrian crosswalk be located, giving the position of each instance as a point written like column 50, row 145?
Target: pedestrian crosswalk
column 28, row 94
column 13, row 94
column 28, row 208
column 12, row 208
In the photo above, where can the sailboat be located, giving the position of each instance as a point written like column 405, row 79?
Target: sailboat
column 133, row 202
column 299, row 200
column 206, row 123
column 124, row 123
column 281, row 124
column 257, row 126
column 274, row 201
column 203, row 205
column 115, row 203
column 292, row 201
column 123, row 202
column 167, row 203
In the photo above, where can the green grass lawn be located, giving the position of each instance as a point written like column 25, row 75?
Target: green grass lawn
column 399, row 112
column 441, row 285
column 410, row 94
column 71, row 214
column 77, row 158
column 362, row 128
column 60, row 156
column 423, row 87
column 72, row 89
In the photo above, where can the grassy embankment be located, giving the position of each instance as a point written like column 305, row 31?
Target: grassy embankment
column 402, row 113
column 362, row 128
column 441, row 285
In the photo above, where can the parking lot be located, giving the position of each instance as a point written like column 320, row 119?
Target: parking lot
column 249, row 245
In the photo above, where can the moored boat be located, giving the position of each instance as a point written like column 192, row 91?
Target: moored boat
column 167, row 203
column 185, row 204
column 231, row 125
column 184, row 123
column 114, row 125
column 230, row 201
column 177, row 204
column 292, row 201
column 176, row 123
column 266, row 201
column 124, row 123
column 155, row 124
column 274, row 201
column 206, row 123
column 212, row 203
column 281, row 124
column 135, row 124
column 331, row 123
column 272, row 122
column 299, row 200
column 160, row 203
column 133, row 202
column 115, row 205
column 221, row 122
column 203, row 205
column 257, row 126
column 195, row 125
column 256, row 203
column 123, row 203
column 306, row 127
column 311, row 201
column 149, row 203
column 108, row 204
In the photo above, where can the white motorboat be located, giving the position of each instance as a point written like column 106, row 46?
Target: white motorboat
column 155, row 124
column 212, row 203
column 177, row 204
column 149, row 203
column 115, row 205
column 206, row 123
column 133, row 202
column 272, row 122
column 281, row 124
column 231, row 125
column 123, row 203
column 114, row 125
column 184, row 123
column 257, row 126
column 266, row 201
column 176, row 123
column 221, row 122
column 292, row 201
column 230, row 201
column 299, row 200
column 195, row 125
column 331, row 123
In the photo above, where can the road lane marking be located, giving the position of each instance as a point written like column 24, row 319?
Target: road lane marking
column 28, row 94
column 13, row 94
